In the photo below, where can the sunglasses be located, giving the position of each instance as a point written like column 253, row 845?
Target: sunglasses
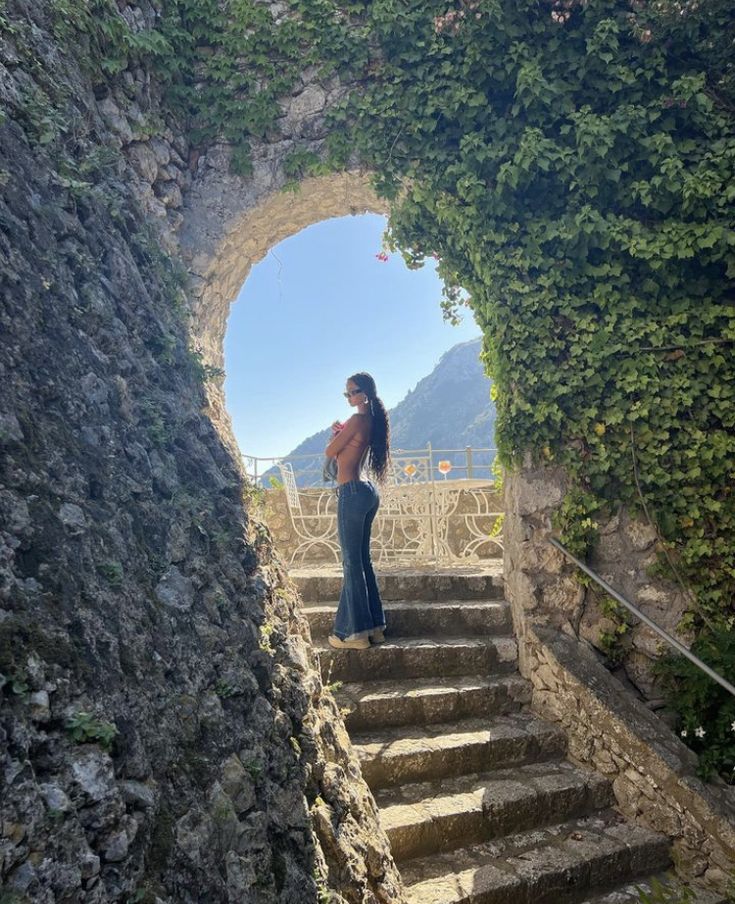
column 351, row 392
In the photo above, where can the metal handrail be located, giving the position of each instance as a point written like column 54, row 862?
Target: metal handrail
column 672, row 641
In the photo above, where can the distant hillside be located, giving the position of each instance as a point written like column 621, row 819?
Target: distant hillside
column 450, row 408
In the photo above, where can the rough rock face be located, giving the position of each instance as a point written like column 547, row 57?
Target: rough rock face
column 164, row 735
column 545, row 587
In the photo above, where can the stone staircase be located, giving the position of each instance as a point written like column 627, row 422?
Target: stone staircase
column 475, row 793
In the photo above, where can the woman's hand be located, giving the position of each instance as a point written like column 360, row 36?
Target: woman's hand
column 341, row 434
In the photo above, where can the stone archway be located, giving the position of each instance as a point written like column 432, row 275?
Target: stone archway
column 228, row 222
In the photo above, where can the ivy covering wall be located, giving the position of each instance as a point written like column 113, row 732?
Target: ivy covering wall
column 572, row 167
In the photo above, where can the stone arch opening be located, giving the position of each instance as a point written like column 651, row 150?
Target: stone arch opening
column 221, row 250
column 229, row 222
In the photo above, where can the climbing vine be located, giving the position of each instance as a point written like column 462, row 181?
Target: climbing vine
column 575, row 176
column 571, row 164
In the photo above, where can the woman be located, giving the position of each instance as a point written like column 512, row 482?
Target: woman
column 364, row 439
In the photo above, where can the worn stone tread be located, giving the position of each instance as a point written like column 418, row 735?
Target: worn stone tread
column 629, row 894
column 423, row 701
column 434, row 604
column 553, row 865
column 421, row 753
column 409, row 583
column 421, row 657
column 421, row 617
column 425, row 817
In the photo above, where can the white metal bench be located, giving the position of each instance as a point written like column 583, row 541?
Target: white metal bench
column 316, row 529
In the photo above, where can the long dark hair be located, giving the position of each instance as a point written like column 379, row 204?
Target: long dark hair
column 379, row 457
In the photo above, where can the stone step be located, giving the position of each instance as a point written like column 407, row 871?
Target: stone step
column 417, row 618
column 423, row 818
column 629, row 893
column 449, row 584
column 420, row 657
column 393, row 756
column 557, row 864
column 423, row 701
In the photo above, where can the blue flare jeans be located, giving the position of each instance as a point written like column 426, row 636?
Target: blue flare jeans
column 360, row 609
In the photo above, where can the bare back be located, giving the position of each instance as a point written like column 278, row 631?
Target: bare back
column 351, row 458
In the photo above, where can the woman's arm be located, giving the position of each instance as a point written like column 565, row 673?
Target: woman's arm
column 340, row 440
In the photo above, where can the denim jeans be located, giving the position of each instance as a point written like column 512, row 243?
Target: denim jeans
column 360, row 610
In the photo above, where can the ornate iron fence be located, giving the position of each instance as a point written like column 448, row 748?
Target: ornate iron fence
column 421, row 518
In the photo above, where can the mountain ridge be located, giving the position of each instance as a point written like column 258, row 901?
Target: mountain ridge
column 450, row 408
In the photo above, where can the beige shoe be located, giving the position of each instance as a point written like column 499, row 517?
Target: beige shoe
column 377, row 636
column 357, row 643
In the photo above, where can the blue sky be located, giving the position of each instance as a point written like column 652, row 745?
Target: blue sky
column 316, row 309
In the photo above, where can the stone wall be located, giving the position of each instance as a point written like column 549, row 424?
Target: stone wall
column 164, row 733
column 611, row 723
column 653, row 773
column 547, row 590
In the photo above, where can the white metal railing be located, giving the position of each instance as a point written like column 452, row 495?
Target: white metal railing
column 445, row 464
column 420, row 518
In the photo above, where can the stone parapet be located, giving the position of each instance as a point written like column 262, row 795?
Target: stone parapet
column 652, row 771
column 610, row 723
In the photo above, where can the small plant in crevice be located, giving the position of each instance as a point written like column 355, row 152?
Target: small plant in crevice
column 328, row 684
column 7, row 27
column 323, row 894
column 730, row 890
column 497, row 526
column 157, row 422
column 254, row 768
column 112, row 572
column 13, row 897
column 225, row 690
column 17, row 684
column 44, row 121
column 204, row 371
column 612, row 642
column 672, row 892
column 266, row 632
column 140, row 896
column 254, row 495
column 83, row 728
column 164, row 348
